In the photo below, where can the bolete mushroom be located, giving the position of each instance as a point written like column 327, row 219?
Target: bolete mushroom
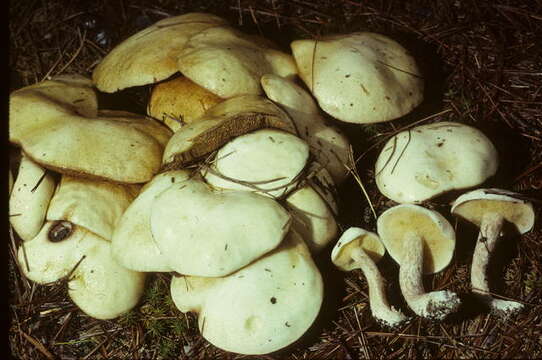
column 221, row 123
column 259, row 309
column 425, row 161
column 489, row 209
column 151, row 54
column 179, row 101
column 30, row 198
column 209, row 232
column 361, row 249
column 229, row 63
column 360, row 77
column 132, row 244
column 421, row 241
column 98, row 285
column 267, row 161
column 329, row 146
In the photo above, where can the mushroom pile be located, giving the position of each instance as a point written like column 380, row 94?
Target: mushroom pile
column 229, row 181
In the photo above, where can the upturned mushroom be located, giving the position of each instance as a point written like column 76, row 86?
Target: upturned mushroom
column 229, row 63
column 30, row 198
column 267, row 161
column 360, row 77
column 57, row 131
column 210, row 232
column 151, row 54
column 329, row 146
column 179, row 101
column 361, row 249
column 220, row 124
column 132, row 244
column 98, row 285
column 428, row 160
column 259, row 309
column 421, row 241
column 489, row 209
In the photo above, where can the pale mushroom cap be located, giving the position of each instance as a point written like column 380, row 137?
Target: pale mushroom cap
column 352, row 238
column 312, row 217
column 329, row 146
column 10, row 182
column 179, row 101
column 473, row 205
column 132, row 243
column 321, row 181
column 261, row 308
column 229, row 63
column 206, row 232
column 221, row 123
column 95, row 205
column 436, row 232
column 360, row 77
column 98, row 285
column 151, row 54
column 57, row 137
column 266, row 161
column 30, row 198
column 32, row 107
column 428, row 160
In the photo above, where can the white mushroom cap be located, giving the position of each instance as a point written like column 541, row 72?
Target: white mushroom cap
column 473, row 205
column 330, row 147
column 229, row 63
column 207, row 232
column 360, row 77
column 98, row 285
column 10, row 181
column 151, row 54
column 221, row 123
column 30, row 198
column 428, row 160
column 312, row 217
column 355, row 237
column 436, row 232
column 266, row 161
column 132, row 244
column 54, row 134
column 179, row 101
column 95, row 205
column 261, row 308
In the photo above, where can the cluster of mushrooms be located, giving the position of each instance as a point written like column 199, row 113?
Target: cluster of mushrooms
column 232, row 191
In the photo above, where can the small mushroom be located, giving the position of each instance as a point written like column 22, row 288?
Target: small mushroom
column 95, row 205
column 59, row 136
column 421, row 241
column 259, row 309
column 489, row 209
column 30, row 198
column 209, row 232
column 229, row 63
column 179, row 101
column 266, row 161
column 132, row 244
column 221, row 123
column 150, row 55
column 329, row 146
column 97, row 284
column 428, row 160
column 360, row 77
column 361, row 249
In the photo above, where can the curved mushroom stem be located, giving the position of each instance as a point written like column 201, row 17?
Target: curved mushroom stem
column 384, row 314
column 490, row 228
column 434, row 305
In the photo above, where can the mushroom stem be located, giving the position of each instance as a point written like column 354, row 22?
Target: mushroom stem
column 434, row 305
column 490, row 231
column 384, row 314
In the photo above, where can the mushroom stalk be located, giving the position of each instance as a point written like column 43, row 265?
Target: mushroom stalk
column 385, row 314
column 490, row 231
column 433, row 305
